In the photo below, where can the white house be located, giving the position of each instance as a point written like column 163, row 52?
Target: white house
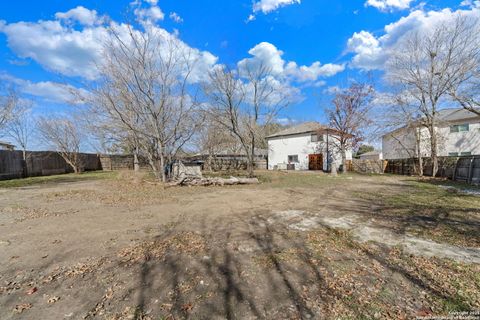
column 304, row 147
column 372, row 155
column 458, row 135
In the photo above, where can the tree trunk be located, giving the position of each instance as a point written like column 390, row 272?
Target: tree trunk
column 333, row 170
column 418, row 152
column 136, row 164
column 252, row 160
column 344, row 160
column 162, row 167
column 434, row 151
column 250, row 167
column 420, row 166
column 24, row 163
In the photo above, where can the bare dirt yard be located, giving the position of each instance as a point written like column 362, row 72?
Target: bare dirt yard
column 296, row 246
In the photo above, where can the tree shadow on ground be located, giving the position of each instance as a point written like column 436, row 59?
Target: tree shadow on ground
column 253, row 269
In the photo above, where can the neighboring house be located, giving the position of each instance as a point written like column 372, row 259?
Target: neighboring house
column 458, row 134
column 372, row 155
column 304, row 147
column 6, row 146
column 228, row 159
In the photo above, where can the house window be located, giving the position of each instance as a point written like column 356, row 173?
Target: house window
column 459, row 128
column 317, row 137
column 453, row 154
column 293, row 158
column 465, row 154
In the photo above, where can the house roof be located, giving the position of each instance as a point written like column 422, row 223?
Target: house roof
column 6, row 144
column 451, row 115
column 305, row 127
column 371, row 153
column 446, row 116
column 230, row 153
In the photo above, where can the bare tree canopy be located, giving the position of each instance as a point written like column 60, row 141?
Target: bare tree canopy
column 245, row 103
column 349, row 116
column 21, row 126
column 145, row 95
column 65, row 137
column 8, row 103
column 426, row 66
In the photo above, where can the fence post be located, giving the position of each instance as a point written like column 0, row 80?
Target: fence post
column 455, row 170
column 470, row 171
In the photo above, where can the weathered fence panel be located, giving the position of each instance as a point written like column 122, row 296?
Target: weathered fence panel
column 41, row 163
column 466, row 169
column 368, row 166
column 11, row 164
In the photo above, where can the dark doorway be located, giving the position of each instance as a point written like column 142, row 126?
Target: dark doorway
column 315, row 162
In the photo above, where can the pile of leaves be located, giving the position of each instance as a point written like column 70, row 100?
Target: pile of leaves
column 182, row 243
column 26, row 213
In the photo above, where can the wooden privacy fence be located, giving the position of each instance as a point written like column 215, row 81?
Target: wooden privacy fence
column 368, row 166
column 41, row 163
column 466, row 169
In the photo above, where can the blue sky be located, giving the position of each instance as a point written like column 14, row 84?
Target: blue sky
column 316, row 44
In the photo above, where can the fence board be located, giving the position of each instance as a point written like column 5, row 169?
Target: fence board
column 40, row 163
column 466, row 169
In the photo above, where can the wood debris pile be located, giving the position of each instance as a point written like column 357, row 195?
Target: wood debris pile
column 199, row 181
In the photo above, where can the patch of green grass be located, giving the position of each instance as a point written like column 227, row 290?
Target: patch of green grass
column 63, row 178
column 289, row 179
column 273, row 179
column 428, row 210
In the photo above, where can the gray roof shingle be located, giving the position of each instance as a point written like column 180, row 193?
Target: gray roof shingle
column 305, row 127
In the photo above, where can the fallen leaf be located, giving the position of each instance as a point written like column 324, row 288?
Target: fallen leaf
column 31, row 290
column 53, row 299
column 20, row 307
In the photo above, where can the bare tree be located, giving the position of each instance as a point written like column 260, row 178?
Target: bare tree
column 466, row 89
column 21, row 127
column 213, row 139
column 245, row 109
column 65, row 137
column 349, row 117
column 468, row 94
column 401, row 125
column 145, row 92
column 426, row 66
column 8, row 104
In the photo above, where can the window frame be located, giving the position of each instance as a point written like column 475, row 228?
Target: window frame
column 291, row 158
column 318, row 137
column 456, row 128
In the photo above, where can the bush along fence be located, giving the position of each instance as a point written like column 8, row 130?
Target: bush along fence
column 465, row 169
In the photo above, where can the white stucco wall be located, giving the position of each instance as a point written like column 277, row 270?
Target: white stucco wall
column 280, row 148
column 402, row 145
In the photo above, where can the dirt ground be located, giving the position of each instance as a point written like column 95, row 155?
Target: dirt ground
column 296, row 246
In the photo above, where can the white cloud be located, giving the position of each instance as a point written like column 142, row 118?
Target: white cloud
column 386, row 5
column 470, row 3
column 266, row 54
column 49, row 91
column 151, row 15
column 267, row 6
column 368, row 53
column 74, row 52
column 175, row 17
column 371, row 52
column 80, row 14
column 57, row 47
